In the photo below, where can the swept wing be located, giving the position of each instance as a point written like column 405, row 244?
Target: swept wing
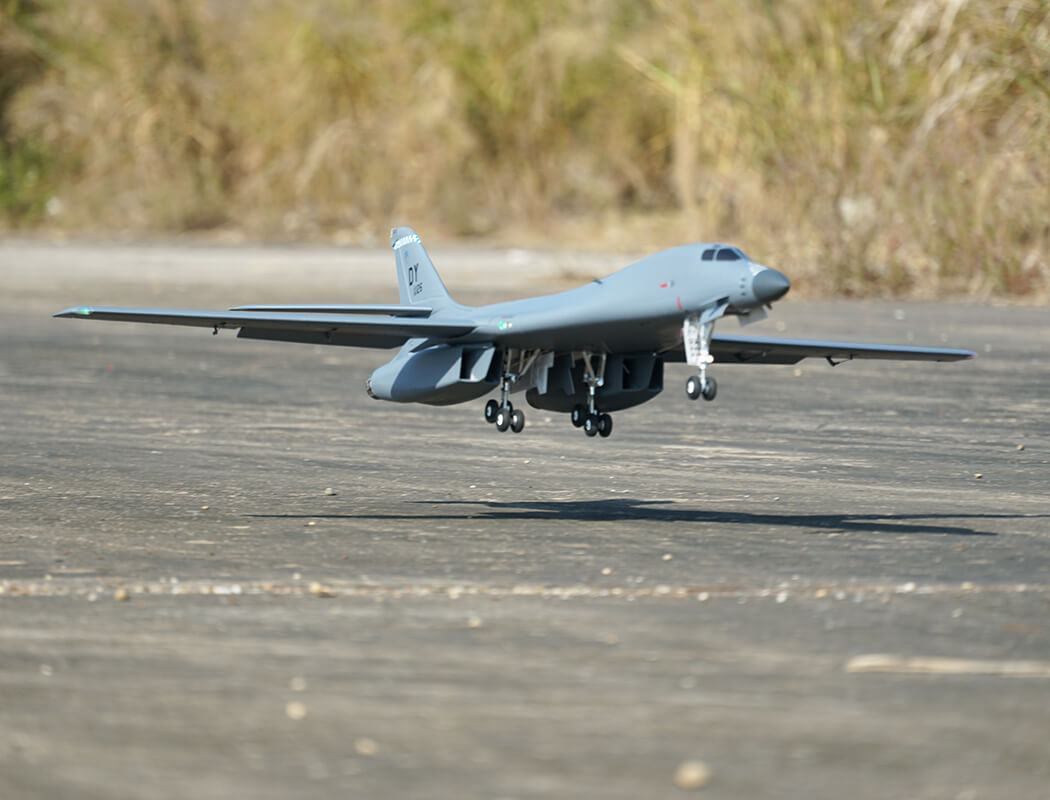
column 355, row 330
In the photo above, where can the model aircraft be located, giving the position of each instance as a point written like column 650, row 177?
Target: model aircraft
column 588, row 351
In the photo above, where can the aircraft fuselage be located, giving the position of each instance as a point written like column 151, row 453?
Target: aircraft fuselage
column 637, row 309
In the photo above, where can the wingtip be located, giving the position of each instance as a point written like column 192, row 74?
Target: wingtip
column 76, row 311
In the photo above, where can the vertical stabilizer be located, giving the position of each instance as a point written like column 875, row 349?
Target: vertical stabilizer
column 417, row 280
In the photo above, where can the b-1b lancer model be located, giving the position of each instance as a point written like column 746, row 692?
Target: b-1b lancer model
column 587, row 352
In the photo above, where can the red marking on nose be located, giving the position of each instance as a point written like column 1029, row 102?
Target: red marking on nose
column 664, row 285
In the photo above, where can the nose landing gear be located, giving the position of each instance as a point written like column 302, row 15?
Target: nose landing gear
column 696, row 335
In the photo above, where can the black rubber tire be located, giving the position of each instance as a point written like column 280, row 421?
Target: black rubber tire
column 517, row 421
column 491, row 409
column 692, row 387
column 578, row 416
column 590, row 425
column 605, row 426
column 502, row 420
column 710, row 390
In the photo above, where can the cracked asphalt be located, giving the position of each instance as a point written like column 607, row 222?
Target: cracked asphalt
column 225, row 571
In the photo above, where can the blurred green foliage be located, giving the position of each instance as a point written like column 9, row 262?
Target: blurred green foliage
column 866, row 146
column 24, row 182
column 24, row 164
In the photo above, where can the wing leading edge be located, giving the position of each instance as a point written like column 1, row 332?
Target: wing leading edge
column 343, row 308
column 759, row 350
column 319, row 328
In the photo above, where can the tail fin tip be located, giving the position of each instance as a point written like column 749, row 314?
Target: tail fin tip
column 418, row 282
column 403, row 235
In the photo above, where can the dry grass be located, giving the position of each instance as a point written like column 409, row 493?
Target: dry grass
column 868, row 147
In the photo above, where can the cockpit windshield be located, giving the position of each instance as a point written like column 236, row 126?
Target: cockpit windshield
column 723, row 253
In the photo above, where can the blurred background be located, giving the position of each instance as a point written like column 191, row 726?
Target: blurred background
column 866, row 147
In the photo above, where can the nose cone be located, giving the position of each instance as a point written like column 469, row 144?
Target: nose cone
column 769, row 285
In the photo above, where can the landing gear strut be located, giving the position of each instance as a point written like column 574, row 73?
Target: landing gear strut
column 502, row 414
column 587, row 416
column 696, row 335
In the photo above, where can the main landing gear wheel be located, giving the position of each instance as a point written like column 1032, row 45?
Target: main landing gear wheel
column 517, row 421
column 590, row 425
column 503, row 416
column 579, row 415
column 696, row 388
column 604, row 426
column 491, row 410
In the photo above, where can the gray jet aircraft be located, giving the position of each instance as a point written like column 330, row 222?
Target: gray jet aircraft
column 586, row 352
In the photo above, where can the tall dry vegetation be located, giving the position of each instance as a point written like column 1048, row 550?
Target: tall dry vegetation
column 867, row 146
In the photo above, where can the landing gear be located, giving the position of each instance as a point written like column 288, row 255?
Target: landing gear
column 501, row 413
column 696, row 335
column 587, row 416
column 509, row 417
column 598, row 425
column 695, row 389
column 504, row 418
column 517, row 362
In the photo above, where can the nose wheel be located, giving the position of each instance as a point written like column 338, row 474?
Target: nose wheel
column 697, row 387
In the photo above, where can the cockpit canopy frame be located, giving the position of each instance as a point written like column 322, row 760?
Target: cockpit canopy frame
column 723, row 252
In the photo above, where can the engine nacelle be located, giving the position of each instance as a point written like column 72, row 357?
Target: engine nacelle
column 438, row 376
